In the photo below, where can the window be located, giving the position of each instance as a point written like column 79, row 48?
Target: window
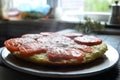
column 88, row 5
column 64, row 8
column 79, row 8
column 97, row 5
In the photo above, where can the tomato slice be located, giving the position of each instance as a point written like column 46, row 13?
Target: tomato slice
column 46, row 33
column 73, row 35
column 88, row 40
column 32, row 48
column 56, row 40
column 14, row 43
column 33, row 36
column 84, row 48
column 57, row 53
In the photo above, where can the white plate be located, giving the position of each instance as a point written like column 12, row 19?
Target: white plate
column 107, row 61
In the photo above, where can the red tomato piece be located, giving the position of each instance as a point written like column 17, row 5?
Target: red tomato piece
column 73, row 35
column 14, row 43
column 84, row 48
column 57, row 53
column 33, row 36
column 88, row 40
column 32, row 48
column 11, row 45
column 46, row 33
column 56, row 40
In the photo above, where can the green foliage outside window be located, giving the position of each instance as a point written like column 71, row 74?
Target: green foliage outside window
column 97, row 5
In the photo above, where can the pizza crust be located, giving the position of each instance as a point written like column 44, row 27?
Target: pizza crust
column 42, row 58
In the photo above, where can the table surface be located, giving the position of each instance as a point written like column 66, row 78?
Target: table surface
column 111, row 74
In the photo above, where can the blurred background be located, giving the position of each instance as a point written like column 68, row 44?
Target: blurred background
column 59, row 9
column 18, row 17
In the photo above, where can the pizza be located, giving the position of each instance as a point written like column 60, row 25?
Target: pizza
column 54, row 48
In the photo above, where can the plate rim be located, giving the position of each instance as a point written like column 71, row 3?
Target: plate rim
column 52, row 74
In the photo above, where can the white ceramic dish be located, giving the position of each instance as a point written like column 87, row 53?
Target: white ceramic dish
column 104, row 63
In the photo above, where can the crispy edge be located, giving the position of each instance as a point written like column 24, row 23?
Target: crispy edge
column 42, row 58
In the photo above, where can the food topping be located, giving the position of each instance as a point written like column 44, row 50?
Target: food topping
column 14, row 43
column 56, row 46
column 33, row 36
column 58, row 53
column 88, row 40
column 73, row 35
